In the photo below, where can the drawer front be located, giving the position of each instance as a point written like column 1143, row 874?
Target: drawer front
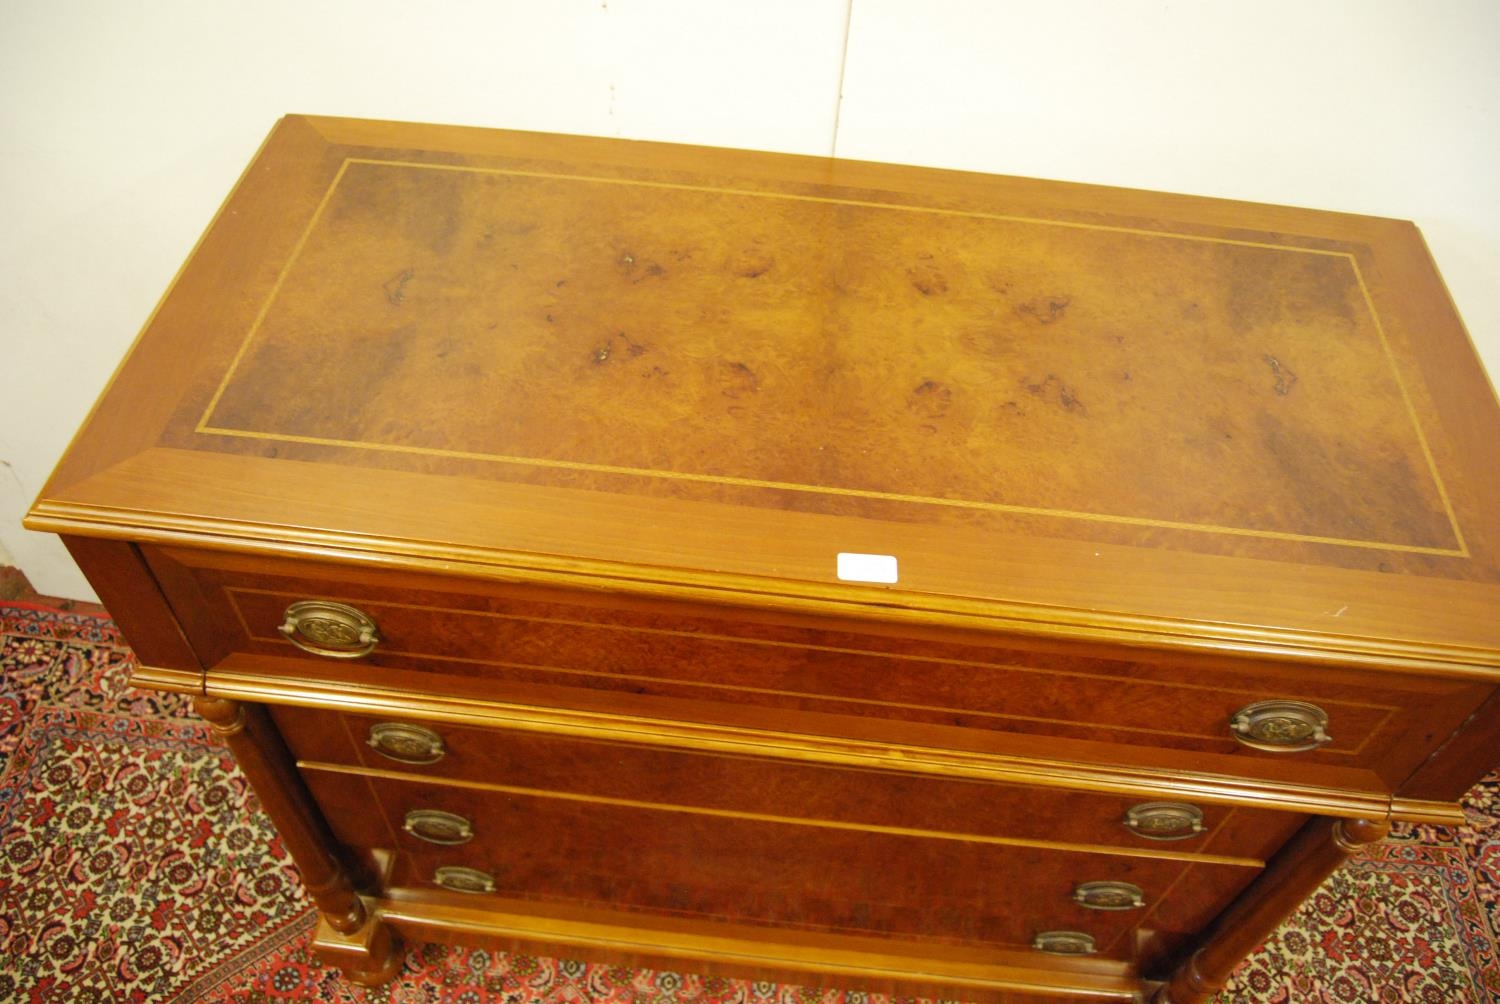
column 747, row 869
column 675, row 652
column 732, row 783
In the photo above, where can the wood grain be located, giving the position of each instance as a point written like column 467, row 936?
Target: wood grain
column 721, row 782
column 674, row 651
column 994, row 975
column 119, row 575
column 585, row 425
column 1269, row 783
column 1258, row 391
column 680, row 861
column 257, row 747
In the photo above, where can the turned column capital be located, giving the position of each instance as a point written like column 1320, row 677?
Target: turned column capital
column 227, row 717
column 1353, row 835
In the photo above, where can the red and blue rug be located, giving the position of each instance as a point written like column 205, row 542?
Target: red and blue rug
column 136, row 866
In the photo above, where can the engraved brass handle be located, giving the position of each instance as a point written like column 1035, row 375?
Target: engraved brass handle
column 1281, row 726
column 334, row 630
column 406, row 743
column 438, row 827
column 1164, row 820
column 1109, row 896
column 460, row 879
column 1064, row 943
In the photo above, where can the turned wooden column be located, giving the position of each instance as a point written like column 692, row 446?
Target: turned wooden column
column 1290, row 877
column 348, row 936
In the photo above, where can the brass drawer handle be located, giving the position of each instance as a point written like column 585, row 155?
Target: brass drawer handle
column 1064, row 943
column 1281, row 726
column 406, row 743
column 460, row 879
column 1164, row 820
column 1109, row 896
column 438, row 827
column 333, row 630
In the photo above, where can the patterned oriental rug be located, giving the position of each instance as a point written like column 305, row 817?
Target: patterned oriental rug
column 135, row 865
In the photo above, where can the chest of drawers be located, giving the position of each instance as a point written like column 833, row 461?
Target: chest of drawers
column 802, row 569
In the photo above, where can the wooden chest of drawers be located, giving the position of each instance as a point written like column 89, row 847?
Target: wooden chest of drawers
column 802, row 569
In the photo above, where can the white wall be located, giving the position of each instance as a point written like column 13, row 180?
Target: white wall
column 122, row 125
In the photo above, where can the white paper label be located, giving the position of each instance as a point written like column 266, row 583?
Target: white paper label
column 867, row 567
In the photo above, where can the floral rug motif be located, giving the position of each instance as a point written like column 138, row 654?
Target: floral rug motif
column 135, row 865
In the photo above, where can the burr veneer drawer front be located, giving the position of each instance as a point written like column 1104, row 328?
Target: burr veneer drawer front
column 758, row 869
column 714, row 781
column 422, row 634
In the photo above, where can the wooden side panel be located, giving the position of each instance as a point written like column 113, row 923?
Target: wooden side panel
column 1460, row 763
column 131, row 594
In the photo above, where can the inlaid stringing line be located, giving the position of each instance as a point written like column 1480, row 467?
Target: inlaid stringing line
column 204, row 427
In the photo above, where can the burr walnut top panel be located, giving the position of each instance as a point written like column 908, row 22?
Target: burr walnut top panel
column 720, row 369
column 828, row 352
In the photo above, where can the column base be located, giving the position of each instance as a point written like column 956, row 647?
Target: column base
column 370, row 956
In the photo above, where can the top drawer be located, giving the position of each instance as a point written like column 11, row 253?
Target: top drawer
column 433, row 631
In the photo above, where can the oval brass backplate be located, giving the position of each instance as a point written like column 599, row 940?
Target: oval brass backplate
column 1164, row 820
column 460, row 879
column 1281, row 726
column 406, row 743
column 332, row 630
column 438, row 827
column 1064, row 943
column 1109, row 896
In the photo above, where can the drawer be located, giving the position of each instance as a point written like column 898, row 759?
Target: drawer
column 748, row 869
column 717, row 782
column 433, row 632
